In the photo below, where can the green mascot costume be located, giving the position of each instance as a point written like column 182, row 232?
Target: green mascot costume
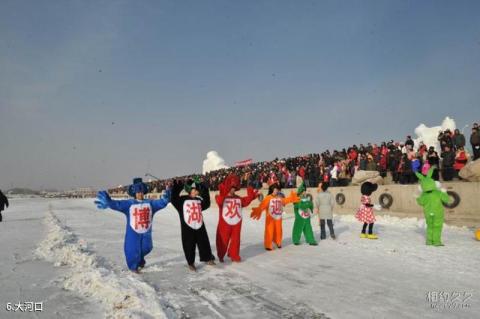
column 303, row 211
column 432, row 199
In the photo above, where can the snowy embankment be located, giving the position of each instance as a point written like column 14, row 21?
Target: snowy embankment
column 122, row 296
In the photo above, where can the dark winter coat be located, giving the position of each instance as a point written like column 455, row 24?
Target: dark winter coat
column 459, row 140
column 3, row 201
column 448, row 159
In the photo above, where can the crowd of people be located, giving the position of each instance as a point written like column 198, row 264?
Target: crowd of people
column 399, row 160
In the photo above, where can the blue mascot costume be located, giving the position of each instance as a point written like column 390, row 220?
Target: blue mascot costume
column 139, row 213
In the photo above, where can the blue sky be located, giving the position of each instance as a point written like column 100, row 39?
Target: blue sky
column 93, row 93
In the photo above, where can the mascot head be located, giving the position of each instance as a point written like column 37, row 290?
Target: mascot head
column 368, row 188
column 427, row 183
column 232, row 181
column 138, row 186
column 272, row 187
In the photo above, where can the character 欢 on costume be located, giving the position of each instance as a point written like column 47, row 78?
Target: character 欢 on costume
column 432, row 199
column 303, row 211
column 139, row 213
column 273, row 204
column 230, row 220
column 365, row 212
column 193, row 229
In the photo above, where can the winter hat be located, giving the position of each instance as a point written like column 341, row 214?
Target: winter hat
column 368, row 188
column 301, row 188
column 138, row 186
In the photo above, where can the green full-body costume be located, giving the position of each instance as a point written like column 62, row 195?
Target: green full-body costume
column 432, row 200
column 303, row 211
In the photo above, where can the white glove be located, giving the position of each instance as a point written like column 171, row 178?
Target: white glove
column 377, row 207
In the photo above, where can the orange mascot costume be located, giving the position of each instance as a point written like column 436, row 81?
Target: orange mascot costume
column 273, row 204
column 230, row 220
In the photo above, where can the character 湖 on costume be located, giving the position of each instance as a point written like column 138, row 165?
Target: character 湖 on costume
column 230, row 217
column 432, row 200
column 193, row 229
column 139, row 213
column 273, row 204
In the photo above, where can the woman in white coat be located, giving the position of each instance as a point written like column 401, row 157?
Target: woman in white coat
column 324, row 207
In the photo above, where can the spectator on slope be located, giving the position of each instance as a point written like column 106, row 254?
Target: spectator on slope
column 448, row 160
column 434, row 161
column 3, row 203
column 475, row 141
column 409, row 142
column 458, row 139
column 139, row 213
column 461, row 159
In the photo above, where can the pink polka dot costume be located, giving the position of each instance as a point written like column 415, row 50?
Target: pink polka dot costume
column 365, row 213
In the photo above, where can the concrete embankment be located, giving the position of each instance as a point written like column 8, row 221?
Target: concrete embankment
column 466, row 213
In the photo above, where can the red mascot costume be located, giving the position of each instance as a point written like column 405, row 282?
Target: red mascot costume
column 230, row 221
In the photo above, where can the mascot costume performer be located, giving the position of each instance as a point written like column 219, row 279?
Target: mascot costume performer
column 273, row 204
column 193, row 229
column 230, row 220
column 139, row 213
column 365, row 212
column 303, row 211
column 432, row 200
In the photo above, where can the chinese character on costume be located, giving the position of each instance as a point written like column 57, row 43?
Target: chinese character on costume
column 432, row 200
column 303, row 211
column 193, row 229
column 139, row 213
column 230, row 219
column 273, row 204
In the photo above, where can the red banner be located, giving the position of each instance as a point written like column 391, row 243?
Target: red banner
column 244, row 162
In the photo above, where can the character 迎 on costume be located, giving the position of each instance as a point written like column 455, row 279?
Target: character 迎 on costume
column 230, row 217
column 365, row 212
column 303, row 211
column 139, row 213
column 273, row 204
column 193, row 229
column 432, row 199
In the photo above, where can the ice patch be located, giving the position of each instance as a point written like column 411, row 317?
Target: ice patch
column 122, row 296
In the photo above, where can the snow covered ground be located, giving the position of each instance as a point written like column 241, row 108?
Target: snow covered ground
column 69, row 255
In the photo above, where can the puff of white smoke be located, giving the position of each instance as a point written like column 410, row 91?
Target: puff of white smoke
column 429, row 135
column 213, row 162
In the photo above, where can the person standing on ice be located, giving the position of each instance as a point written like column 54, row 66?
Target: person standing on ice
column 273, row 204
column 324, row 208
column 193, row 229
column 139, row 213
column 365, row 212
column 432, row 200
column 3, row 203
column 303, row 211
column 230, row 217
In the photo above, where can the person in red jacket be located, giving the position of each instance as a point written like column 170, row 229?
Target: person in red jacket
column 230, row 220
column 461, row 159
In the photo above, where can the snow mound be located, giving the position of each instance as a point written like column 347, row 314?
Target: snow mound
column 122, row 296
column 428, row 135
column 213, row 162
